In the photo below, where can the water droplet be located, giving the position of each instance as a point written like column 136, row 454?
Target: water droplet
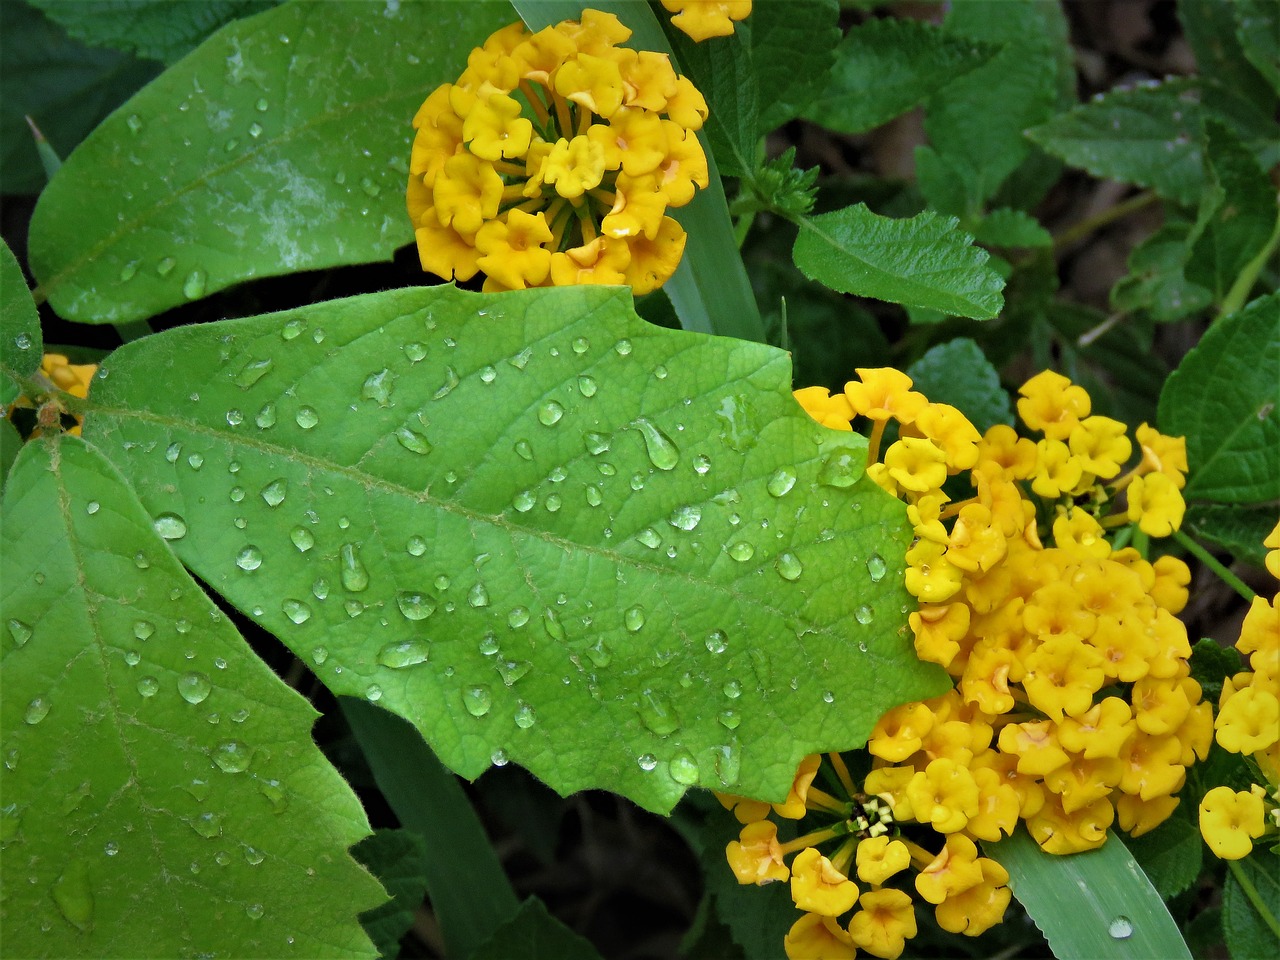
column 37, row 710
column 416, row 546
column 129, row 271
column 354, row 575
column 553, row 503
column 74, row 895
column 1121, row 928
column 235, row 417
column 296, row 610
column 302, row 539
column 594, row 496
column 319, row 655
column 717, row 642
column 134, row 123
column 512, row 670
column 252, row 372
column 148, row 686
column 320, row 588
column 730, row 719
column 657, row 713
column 741, row 551
column 266, row 418
column 517, row 618
column 250, row 558
column 442, row 582
column 275, row 492
column 864, row 614
column 498, row 758
column 524, row 716
column 19, row 631
column 646, row 761
column 732, row 689
column 165, row 266
column 450, row 381
column 701, row 464
column 523, row 450
column 587, row 386
column 549, row 413
column 663, row 454
column 194, row 687
column 633, row 619
column 195, row 461
column 876, row 567
column 477, row 700
column 415, row 606
column 841, row 470
column 317, row 335
column 232, row 756
column 378, row 387
column 193, row 286
column 306, row 417
column 599, row 654
column 780, row 484
column 478, row 595
column 551, row 624
column 685, row 517
column 292, row 329
column 140, row 560
column 683, row 768
column 623, row 348
column 650, row 538
column 412, row 440
column 521, row 359
column 170, row 526
column 789, row 567
column 660, row 372
column 255, row 130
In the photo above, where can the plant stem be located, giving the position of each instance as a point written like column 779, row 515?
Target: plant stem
column 1208, row 559
column 1255, row 898
column 1098, row 220
column 1239, row 292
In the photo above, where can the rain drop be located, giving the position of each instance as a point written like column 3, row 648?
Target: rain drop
column 683, row 768
column 148, row 686
column 549, row 413
column 789, row 567
column 254, row 911
column 208, row 825
column 594, row 496
column 170, row 526
column 741, row 551
column 657, row 713
column 701, row 464
column 864, row 614
column 275, row 491
column 512, row 670
column 354, row 575
column 524, row 716
column 518, row 617
column 193, row 286
column 1121, row 928
column 450, row 381
column 587, row 386
column 302, row 539
column 292, row 329
column 306, row 417
column 596, row 443
column 235, row 417
column 19, row 631
column 266, row 418
column 646, row 761
column 551, row 624
column 378, row 387
column 633, row 619
column 415, row 351
column 296, row 610
column 165, row 266
column 686, row 517
column 416, row 546
column 92, row 507
column 252, row 372
column 478, row 595
column 717, row 642
column 194, row 687
column 412, row 441
column 250, row 558
column 477, row 700
column 320, row 588
column 415, row 606
column 74, row 896
column 37, row 710
column 232, row 756
column 840, row 470
column 650, row 538
column 663, row 454
column 780, row 484
column 523, row 450
column 622, row 348
column 876, row 567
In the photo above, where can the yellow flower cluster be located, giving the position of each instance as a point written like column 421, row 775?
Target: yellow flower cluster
column 870, row 875
column 553, row 159
column 1248, row 723
column 703, row 19
column 61, row 373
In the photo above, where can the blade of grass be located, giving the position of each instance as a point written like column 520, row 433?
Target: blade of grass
column 709, row 290
column 466, row 885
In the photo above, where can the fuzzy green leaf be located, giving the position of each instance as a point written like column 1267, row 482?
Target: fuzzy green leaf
column 1238, row 527
column 398, row 858
column 1258, row 30
column 534, row 934
column 793, row 47
column 884, row 68
column 1248, row 932
column 164, row 30
column 64, row 86
column 926, row 261
column 1090, row 906
column 724, row 73
column 1221, row 43
column 1148, row 136
column 1171, row 854
column 536, row 527
column 21, row 344
column 1223, row 398
column 162, row 791
column 958, row 373
column 274, row 147
column 1157, row 281
column 1011, row 228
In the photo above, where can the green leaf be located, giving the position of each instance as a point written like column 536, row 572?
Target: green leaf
column 883, row 68
column 10, row 445
column 164, row 30
column 1237, row 527
column 1211, row 663
column 556, row 508
column 978, row 121
column 793, row 47
column 65, row 87
column 958, row 373
column 724, row 73
column 1171, row 854
column 1223, row 399
column 398, row 858
column 1237, row 212
column 1149, row 136
column 1157, row 282
column 534, row 934
column 271, row 149
column 1211, row 28
column 1090, row 906
column 21, row 344
column 1252, row 886
column 470, row 895
column 162, row 789
column 925, row 261
column 1011, row 228
column 1257, row 29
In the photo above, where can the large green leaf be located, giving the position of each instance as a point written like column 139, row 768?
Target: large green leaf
column 1250, row 904
column 793, row 46
column 1239, row 528
column 1223, row 398
column 1146, row 135
column 281, row 144
column 1257, row 29
column 399, row 859
column 534, row 934
column 959, row 373
column 1089, row 906
column 65, row 87
column 21, row 344
column 163, row 30
column 885, row 67
column 1171, row 854
column 925, row 261
column 162, row 795
column 536, row 527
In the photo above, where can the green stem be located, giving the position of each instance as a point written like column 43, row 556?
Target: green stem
column 1239, row 292
column 1098, row 220
column 1255, row 898
column 1208, row 559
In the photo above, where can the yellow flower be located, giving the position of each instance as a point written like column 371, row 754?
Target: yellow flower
column 883, row 394
column 944, row 794
column 954, row 870
column 980, row 907
column 879, row 858
column 1052, row 404
column 830, row 411
column 1063, row 674
column 756, row 856
column 1231, row 821
column 815, row 937
column 884, row 923
column 818, row 887
column 1101, row 445
column 1273, row 554
column 703, row 19
column 1155, row 504
column 1249, row 721
column 1167, row 455
column 916, row 464
column 594, row 139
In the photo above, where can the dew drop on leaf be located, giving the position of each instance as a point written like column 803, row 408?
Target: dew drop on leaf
column 512, row 670
column 685, row 517
column 789, row 566
column 864, row 614
column 587, row 386
column 378, row 387
column 250, row 558
column 683, row 768
column 741, row 551
column 662, row 452
column 717, row 642
column 296, row 610
column 306, row 417
column 252, row 372
column 19, row 631
column 650, row 538
column 416, row 546
column 477, row 700
column 36, row 711
column 170, row 526
column 193, row 286
column 876, row 567
column 194, row 687
column 780, row 484
column 478, row 595
column 840, row 470
column 633, row 619
column 232, row 756
column 524, row 716
column 292, row 329
column 275, row 492
column 1121, row 928
column 518, row 617
column 415, row 606
column 549, row 413
column 646, row 762
column 148, row 686
column 302, row 539
column 266, row 418
column 354, row 575
column 73, row 894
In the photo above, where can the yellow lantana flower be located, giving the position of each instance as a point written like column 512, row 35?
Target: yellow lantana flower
column 703, row 19
column 1230, row 821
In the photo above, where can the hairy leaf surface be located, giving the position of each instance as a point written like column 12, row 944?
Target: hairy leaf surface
column 536, row 527
column 21, row 344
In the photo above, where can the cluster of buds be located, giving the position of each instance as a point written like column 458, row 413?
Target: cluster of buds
column 553, row 160
column 1248, row 723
